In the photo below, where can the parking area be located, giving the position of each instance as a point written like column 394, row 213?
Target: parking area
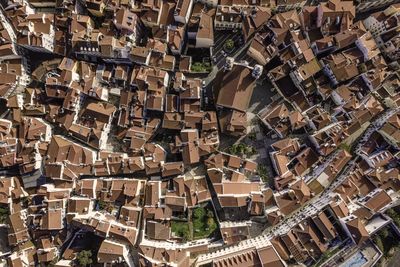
column 220, row 38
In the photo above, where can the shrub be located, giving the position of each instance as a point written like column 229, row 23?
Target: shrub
column 210, row 222
column 203, row 223
column 384, row 233
column 84, row 258
column 362, row 68
column 210, row 214
column 105, row 206
column 229, row 44
column 4, row 213
column 263, row 173
column 250, row 151
column 242, row 149
column 201, row 67
column 181, row 229
column 252, row 136
column 395, row 216
column 379, row 243
column 199, row 213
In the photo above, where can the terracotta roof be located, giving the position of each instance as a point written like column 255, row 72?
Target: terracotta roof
column 236, row 88
column 357, row 230
column 52, row 220
column 172, row 168
column 79, row 205
column 378, row 201
column 157, row 230
column 110, row 252
column 234, row 234
column 269, row 257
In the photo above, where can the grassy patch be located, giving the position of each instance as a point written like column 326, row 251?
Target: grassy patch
column 242, row 149
column 181, row 229
column 204, row 223
column 201, row 67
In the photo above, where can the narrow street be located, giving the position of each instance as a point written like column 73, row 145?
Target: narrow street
column 316, row 204
column 199, row 133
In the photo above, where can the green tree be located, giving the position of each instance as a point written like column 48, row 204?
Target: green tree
column 210, row 223
column 384, row 233
column 105, row 206
column 233, row 150
column 263, row 173
column 185, row 236
column 201, row 67
column 252, row 136
column 102, row 205
column 394, row 215
column 379, row 243
column 250, row 150
column 199, row 213
column 84, row 258
column 242, row 149
column 362, row 67
column 229, row 44
column 390, row 212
